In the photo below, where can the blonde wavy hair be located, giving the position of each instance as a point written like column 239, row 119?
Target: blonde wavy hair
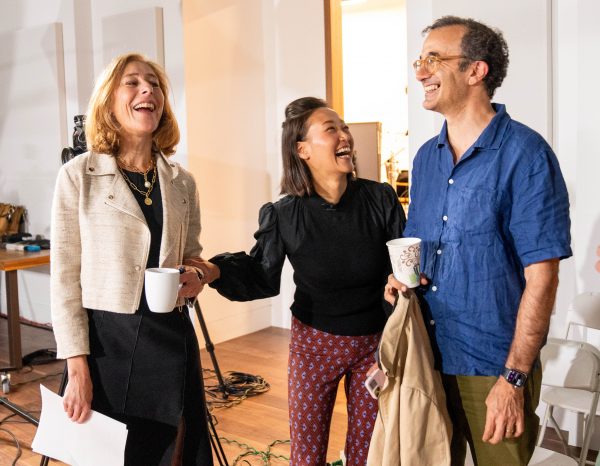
column 101, row 127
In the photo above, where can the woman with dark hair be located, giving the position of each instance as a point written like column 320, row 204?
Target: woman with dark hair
column 118, row 209
column 333, row 229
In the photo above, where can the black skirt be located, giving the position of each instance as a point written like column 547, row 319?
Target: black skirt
column 146, row 372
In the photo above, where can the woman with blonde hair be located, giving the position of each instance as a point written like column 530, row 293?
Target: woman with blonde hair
column 118, row 209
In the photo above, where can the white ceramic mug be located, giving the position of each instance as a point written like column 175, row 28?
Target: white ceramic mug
column 405, row 255
column 161, row 286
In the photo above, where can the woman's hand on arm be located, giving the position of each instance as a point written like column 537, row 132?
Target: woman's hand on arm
column 210, row 271
column 77, row 400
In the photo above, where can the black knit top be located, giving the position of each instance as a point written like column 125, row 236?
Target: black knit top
column 338, row 253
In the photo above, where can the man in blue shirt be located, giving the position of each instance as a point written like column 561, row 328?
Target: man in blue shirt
column 490, row 204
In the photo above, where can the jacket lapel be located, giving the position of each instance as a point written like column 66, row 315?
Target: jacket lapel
column 119, row 196
column 175, row 198
column 175, row 205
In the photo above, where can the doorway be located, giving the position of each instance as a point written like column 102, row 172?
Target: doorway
column 367, row 72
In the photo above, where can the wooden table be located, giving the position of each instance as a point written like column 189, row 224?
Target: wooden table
column 11, row 262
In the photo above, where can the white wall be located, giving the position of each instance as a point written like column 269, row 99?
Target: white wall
column 565, row 130
column 29, row 169
column 226, row 103
column 576, row 129
column 296, row 54
column 586, row 228
column 245, row 60
column 30, row 157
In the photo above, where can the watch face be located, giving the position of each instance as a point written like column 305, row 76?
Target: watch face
column 515, row 378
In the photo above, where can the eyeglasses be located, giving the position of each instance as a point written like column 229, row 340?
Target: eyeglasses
column 431, row 63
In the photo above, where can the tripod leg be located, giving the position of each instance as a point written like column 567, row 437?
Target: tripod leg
column 214, row 441
column 18, row 410
column 61, row 391
column 211, row 349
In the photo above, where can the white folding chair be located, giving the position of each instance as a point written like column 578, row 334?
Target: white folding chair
column 544, row 457
column 583, row 314
column 572, row 370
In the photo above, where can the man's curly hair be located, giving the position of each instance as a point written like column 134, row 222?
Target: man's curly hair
column 480, row 42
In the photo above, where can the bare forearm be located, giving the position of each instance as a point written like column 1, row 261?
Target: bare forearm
column 77, row 400
column 533, row 318
column 77, row 366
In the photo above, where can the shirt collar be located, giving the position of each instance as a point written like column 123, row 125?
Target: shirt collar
column 492, row 135
column 317, row 201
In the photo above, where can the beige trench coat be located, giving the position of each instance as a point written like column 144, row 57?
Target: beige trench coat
column 101, row 242
column 413, row 427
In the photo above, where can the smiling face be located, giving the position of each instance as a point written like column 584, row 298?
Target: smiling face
column 328, row 146
column 446, row 89
column 138, row 101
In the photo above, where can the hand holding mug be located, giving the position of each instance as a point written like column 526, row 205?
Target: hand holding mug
column 190, row 281
column 163, row 285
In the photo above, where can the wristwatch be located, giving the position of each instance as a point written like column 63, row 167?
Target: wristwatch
column 514, row 377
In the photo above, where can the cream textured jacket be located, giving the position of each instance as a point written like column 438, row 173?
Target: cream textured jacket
column 101, row 242
column 413, row 426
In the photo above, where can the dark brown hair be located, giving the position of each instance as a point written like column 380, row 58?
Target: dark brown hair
column 480, row 42
column 296, row 179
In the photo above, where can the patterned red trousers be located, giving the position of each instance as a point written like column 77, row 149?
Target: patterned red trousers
column 318, row 361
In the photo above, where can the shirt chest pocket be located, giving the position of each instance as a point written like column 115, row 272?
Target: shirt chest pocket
column 475, row 210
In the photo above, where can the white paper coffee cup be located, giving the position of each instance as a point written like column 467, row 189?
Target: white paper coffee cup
column 161, row 287
column 405, row 255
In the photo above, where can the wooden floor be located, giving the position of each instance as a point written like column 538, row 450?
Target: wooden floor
column 25, row 393
column 256, row 421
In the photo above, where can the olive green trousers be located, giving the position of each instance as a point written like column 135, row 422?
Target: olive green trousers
column 466, row 405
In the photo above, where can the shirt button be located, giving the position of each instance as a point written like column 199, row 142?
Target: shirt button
column 110, row 196
column 184, row 201
column 450, row 181
column 438, row 252
column 445, row 218
column 434, row 288
column 137, row 268
column 432, row 322
column 91, row 169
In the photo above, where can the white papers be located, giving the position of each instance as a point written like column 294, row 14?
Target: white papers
column 100, row 441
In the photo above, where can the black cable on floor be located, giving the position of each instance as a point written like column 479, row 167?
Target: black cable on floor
column 37, row 379
column 237, row 387
column 41, row 356
column 264, row 455
column 17, row 444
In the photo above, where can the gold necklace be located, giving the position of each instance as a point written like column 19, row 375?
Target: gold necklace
column 147, row 184
column 131, row 168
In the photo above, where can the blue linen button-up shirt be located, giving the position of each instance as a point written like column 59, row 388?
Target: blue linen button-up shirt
column 502, row 207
